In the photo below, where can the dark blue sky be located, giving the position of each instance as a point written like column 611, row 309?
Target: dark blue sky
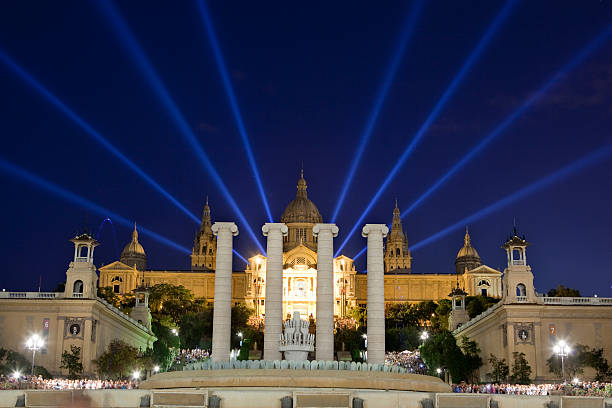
column 305, row 77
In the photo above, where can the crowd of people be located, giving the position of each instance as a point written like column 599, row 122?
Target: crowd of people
column 590, row 389
column 410, row 360
column 186, row 356
column 16, row 382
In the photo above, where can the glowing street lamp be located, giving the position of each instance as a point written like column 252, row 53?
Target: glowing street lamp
column 16, row 374
column 136, row 375
column 562, row 349
column 34, row 343
column 365, row 340
column 156, row 369
column 424, row 336
column 240, row 335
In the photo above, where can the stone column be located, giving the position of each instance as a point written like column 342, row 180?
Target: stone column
column 325, row 290
column 274, row 289
column 222, row 315
column 376, row 292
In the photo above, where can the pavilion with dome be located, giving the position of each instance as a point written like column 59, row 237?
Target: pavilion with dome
column 402, row 284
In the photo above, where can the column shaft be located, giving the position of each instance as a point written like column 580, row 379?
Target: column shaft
column 274, row 289
column 325, row 290
column 376, row 292
column 222, row 314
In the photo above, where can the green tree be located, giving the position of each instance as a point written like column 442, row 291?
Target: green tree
column 441, row 351
column 71, row 361
column 170, row 300
column 476, row 305
column 118, row 361
column 107, row 293
column 167, row 343
column 562, row 291
column 521, row 371
column 575, row 362
column 358, row 314
column 440, row 321
column 499, row 369
column 598, row 362
column 472, row 358
column 240, row 316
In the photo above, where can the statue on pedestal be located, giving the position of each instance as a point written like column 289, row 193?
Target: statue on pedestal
column 296, row 342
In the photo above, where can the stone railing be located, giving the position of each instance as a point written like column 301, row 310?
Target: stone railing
column 589, row 301
column 29, row 295
column 123, row 315
column 478, row 317
column 294, row 365
column 521, row 299
column 77, row 295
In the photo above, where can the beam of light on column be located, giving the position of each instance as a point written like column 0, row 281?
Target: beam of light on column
column 474, row 56
column 135, row 51
column 528, row 103
column 231, row 96
column 108, row 220
column 379, row 101
column 555, row 177
column 67, row 195
column 30, row 80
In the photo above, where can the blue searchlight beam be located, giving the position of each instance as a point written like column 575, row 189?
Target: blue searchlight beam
column 229, row 90
column 30, row 80
column 108, row 220
column 135, row 51
column 572, row 168
column 83, row 202
column 474, row 56
column 533, row 98
column 379, row 101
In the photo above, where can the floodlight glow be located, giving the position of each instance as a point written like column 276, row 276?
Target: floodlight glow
column 16, row 374
column 528, row 103
column 572, row 168
column 33, row 82
column 136, row 375
column 135, row 51
column 80, row 201
column 473, row 57
column 156, row 369
column 108, row 220
column 380, row 99
column 229, row 90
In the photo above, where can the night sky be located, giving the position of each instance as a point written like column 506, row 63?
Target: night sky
column 305, row 77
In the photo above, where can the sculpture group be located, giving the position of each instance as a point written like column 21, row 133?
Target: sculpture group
column 295, row 342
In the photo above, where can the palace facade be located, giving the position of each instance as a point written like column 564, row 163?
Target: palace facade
column 300, row 268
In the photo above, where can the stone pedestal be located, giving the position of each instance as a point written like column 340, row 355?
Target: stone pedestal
column 325, row 234
column 376, row 292
column 274, row 289
column 222, row 316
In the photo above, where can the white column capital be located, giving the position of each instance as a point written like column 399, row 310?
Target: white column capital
column 225, row 226
column 269, row 227
column 318, row 228
column 373, row 229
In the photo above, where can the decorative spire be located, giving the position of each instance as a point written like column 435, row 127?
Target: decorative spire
column 302, row 186
column 135, row 233
column 467, row 240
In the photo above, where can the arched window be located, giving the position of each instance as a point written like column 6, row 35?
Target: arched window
column 397, row 252
column 484, row 282
column 83, row 251
column 521, row 290
column 78, row 287
column 204, row 250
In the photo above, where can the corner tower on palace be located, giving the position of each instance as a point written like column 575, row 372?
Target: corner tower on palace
column 397, row 255
column 204, row 253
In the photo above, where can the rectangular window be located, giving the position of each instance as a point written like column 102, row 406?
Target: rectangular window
column 300, row 235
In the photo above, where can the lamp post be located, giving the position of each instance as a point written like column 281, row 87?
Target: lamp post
column 562, row 350
column 240, row 335
column 424, row 336
column 34, row 343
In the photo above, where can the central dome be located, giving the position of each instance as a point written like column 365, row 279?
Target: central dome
column 301, row 209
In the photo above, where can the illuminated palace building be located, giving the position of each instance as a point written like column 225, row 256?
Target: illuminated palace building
column 300, row 268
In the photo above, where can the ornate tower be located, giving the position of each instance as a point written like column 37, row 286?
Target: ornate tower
column 141, row 312
column 133, row 254
column 467, row 257
column 518, row 279
column 397, row 254
column 458, row 315
column 300, row 216
column 81, row 277
column 203, row 256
